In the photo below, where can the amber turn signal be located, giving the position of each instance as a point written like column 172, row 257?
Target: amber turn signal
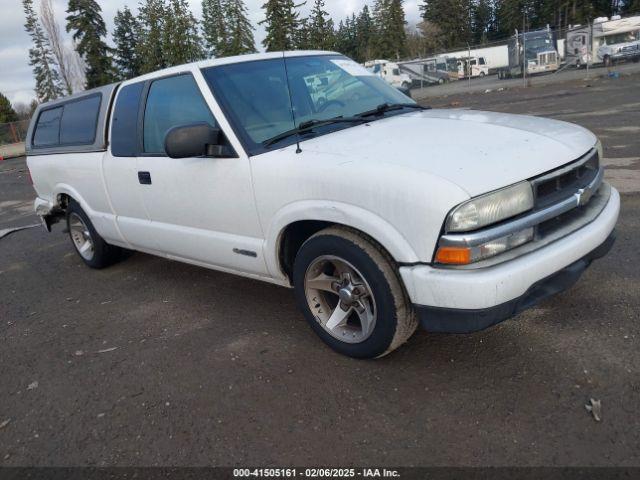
column 454, row 255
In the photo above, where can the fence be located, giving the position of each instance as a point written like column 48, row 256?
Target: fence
column 12, row 136
column 14, row 132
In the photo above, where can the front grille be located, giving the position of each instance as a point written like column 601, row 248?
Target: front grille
column 562, row 183
column 548, row 58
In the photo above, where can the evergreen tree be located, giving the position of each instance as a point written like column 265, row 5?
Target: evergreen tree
column 631, row 6
column 151, row 19
column 126, row 38
column 364, row 33
column 390, row 39
column 301, row 36
column 281, row 21
column 214, row 27
column 482, row 25
column 239, row 28
column 48, row 86
column 453, row 18
column 7, row 113
column 320, row 28
column 346, row 38
column 181, row 42
column 378, row 21
column 395, row 31
column 89, row 31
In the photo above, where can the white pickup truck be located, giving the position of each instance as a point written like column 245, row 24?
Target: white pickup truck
column 381, row 214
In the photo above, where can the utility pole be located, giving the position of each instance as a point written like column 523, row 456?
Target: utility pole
column 469, row 65
column 524, row 50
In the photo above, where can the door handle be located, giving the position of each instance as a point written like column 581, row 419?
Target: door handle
column 144, row 178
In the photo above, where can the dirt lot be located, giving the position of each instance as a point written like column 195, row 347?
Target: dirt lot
column 157, row 363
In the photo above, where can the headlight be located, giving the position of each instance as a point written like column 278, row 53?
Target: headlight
column 490, row 208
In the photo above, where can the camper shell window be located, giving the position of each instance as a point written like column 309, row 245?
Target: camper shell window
column 71, row 123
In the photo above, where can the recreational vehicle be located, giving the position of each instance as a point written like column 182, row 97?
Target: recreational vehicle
column 605, row 41
column 472, row 67
column 390, row 72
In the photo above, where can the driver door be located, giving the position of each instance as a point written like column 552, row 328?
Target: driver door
column 202, row 209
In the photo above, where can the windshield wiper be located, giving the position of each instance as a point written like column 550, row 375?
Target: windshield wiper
column 388, row 107
column 308, row 126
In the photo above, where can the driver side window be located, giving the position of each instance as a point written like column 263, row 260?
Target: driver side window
column 171, row 102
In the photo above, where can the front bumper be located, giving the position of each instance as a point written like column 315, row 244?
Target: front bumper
column 452, row 320
column 459, row 301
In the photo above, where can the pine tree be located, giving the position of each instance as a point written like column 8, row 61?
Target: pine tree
column 320, row 28
column 632, row 6
column 453, row 18
column 511, row 15
column 301, row 36
column 151, row 19
column 364, row 32
column 239, row 28
column 126, row 38
column 48, row 85
column 395, row 31
column 89, row 31
column 7, row 113
column 390, row 39
column 281, row 20
column 378, row 21
column 181, row 42
column 214, row 27
column 482, row 21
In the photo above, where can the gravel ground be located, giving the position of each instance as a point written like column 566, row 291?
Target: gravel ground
column 153, row 362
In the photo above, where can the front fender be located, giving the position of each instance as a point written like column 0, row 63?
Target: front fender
column 334, row 212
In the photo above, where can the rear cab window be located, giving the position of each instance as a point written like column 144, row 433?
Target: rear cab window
column 124, row 129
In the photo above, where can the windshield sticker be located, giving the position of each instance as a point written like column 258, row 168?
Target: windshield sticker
column 352, row 68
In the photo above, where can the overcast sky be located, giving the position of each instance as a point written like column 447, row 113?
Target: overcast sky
column 16, row 78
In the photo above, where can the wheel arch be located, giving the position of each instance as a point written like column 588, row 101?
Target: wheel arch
column 297, row 222
column 63, row 194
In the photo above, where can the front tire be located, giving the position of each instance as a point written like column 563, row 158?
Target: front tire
column 350, row 293
column 92, row 249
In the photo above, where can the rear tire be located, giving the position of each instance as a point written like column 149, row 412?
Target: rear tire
column 349, row 291
column 90, row 247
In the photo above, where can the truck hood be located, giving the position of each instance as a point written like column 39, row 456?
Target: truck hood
column 478, row 151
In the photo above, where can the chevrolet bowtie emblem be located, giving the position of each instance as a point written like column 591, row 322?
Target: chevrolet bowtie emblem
column 583, row 196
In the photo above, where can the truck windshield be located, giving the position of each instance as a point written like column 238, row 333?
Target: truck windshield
column 257, row 100
column 535, row 45
column 622, row 38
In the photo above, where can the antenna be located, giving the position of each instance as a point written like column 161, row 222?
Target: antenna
column 293, row 117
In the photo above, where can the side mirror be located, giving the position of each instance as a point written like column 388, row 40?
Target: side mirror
column 193, row 140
